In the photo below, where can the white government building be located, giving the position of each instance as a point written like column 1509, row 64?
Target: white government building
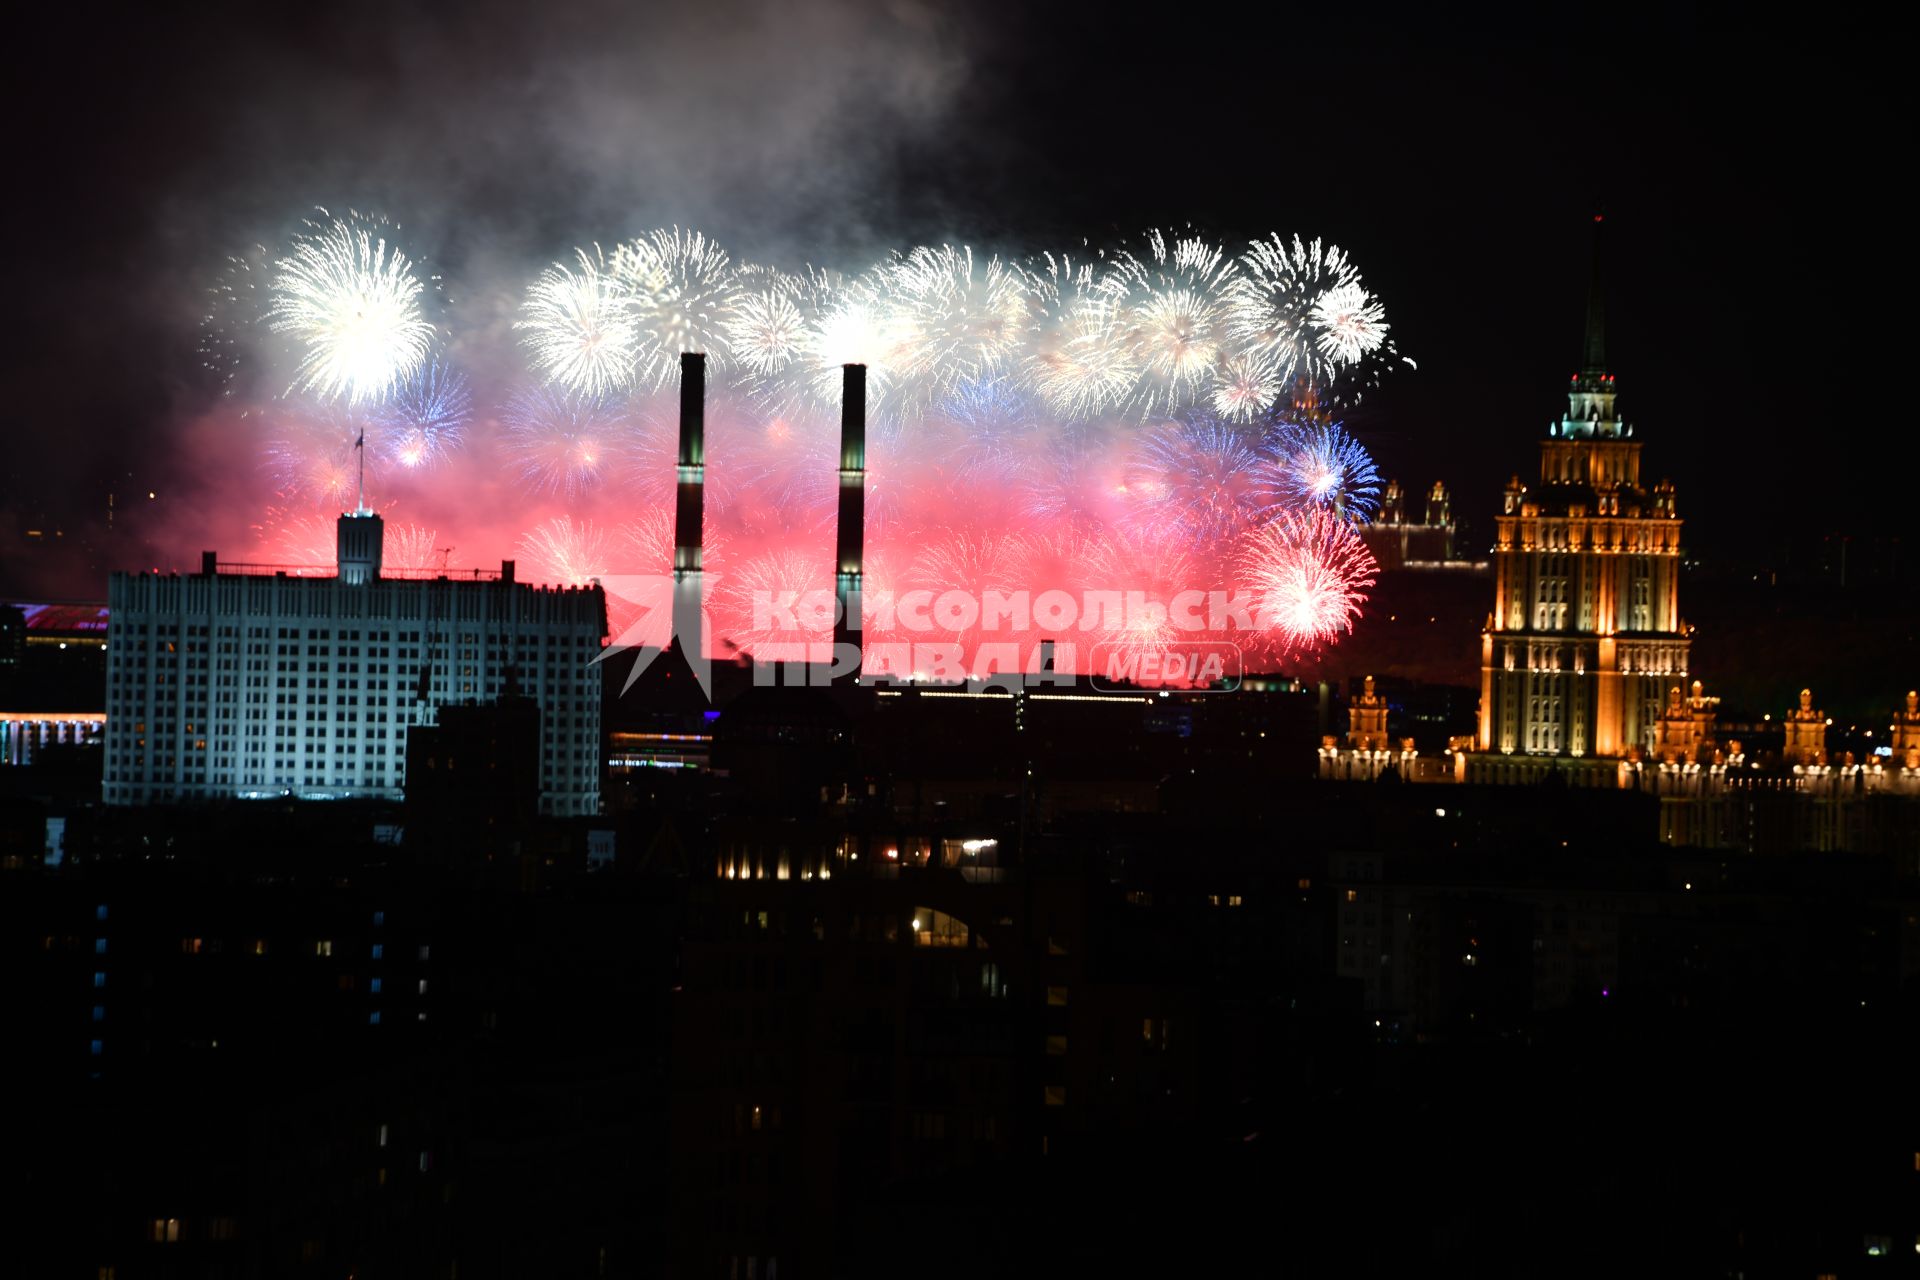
column 246, row 681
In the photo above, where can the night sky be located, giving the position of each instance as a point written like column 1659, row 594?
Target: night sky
column 1744, row 173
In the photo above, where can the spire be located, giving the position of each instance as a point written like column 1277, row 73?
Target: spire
column 1597, row 308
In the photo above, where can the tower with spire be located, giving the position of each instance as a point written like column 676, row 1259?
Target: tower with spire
column 1585, row 634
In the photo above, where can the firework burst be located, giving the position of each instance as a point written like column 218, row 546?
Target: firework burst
column 766, row 329
column 1302, row 309
column 1318, row 467
column 1177, row 317
column 563, row 441
column 957, row 320
column 1350, row 324
column 415, row 548
column 566, row 552
column 1198, row 477
column 425, row 417
column 311, row 453
column 683, row 296
column 352, row 305
column 579, row 326
column 1245, row 388
column 302, row 540
column 778, row 600
column 1310, row 573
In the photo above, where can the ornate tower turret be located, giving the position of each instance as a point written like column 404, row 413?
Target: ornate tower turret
column 1367, row 721
column 1906, row 732
column 1806, row 726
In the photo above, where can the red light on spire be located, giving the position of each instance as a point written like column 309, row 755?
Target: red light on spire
column 1598, row 218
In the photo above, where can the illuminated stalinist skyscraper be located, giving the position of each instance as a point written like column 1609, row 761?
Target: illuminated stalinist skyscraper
column 1585, row 635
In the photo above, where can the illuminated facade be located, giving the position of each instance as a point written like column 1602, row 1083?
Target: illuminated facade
column 1585, row 636
column 1399, row 542
column 243, row 681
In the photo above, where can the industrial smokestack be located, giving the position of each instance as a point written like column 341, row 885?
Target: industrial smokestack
column 690, row 507
column 850, row 549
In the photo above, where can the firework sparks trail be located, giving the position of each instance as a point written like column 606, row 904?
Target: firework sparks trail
column 352, row 305
column 235, row 316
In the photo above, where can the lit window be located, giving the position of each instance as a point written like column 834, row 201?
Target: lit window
column 100, row 980
column 1056, row 1095
column 373, row 1019
column 164, row 1231
column 323, row 948
column 378, row 950
column 1056, row 995
column 374, row 986
column 381, row 1137
column 1353, row 895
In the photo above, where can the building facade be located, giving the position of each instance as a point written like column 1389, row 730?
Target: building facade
column 1585, row 635
column 240, row 681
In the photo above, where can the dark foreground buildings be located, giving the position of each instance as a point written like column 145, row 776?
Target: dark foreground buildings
column 867, row 994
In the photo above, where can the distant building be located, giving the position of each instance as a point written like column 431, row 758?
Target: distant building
column 1398, row 542
column 243, row 681
column 52, row 667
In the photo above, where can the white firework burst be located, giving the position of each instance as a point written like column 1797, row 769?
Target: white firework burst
column 580, row 328
column 683, row 291
column 1350, row 324
column 1177, row 314
column 957, row 319
column 766, row 329
column 351, row 303
column 1245, row 387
